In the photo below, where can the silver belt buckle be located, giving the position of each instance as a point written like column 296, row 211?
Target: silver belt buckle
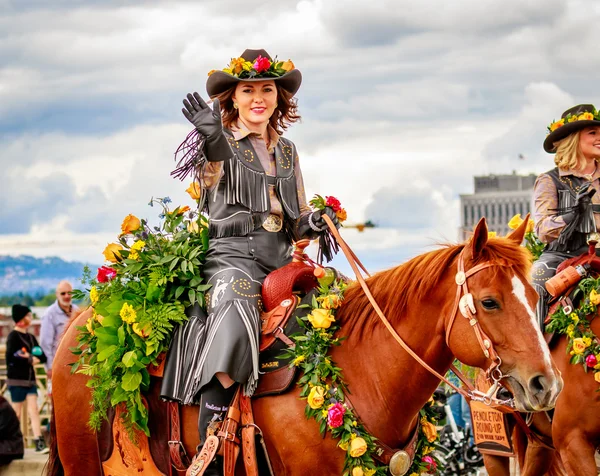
column 273, row 223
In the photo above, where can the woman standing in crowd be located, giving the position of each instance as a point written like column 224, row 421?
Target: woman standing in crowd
column 22, row 353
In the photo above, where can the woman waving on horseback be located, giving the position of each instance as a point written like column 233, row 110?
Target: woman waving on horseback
column 252, row 189
column 566, row 198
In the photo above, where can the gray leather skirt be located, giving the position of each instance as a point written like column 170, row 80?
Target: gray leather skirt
column 225, row 339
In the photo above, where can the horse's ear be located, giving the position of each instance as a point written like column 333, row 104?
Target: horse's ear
column 479, row 239
column 518, row 233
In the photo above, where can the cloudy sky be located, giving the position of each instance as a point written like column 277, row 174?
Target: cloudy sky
column 402, row 103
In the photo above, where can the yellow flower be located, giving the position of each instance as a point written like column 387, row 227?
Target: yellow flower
column 88, row 326
column 369, row 472
column 579, row 346
column 429, row 430
column 316, row 397
column 530, row 226
column 194, row 191
column 193, row 227
column 358, row 447
column 130, row 223
column 331, row 301
column 574, row 317
column 142, row 331
column 570, row 330
column 587, row 341
column 597, row 376
column 594, row 297
column 343, row 446
column 111, row 252
column 414, row 474
column 227, row 70
column 98, row 317
column 586, row 116
column 299, row 359
column 128, row 313
column 94, row 295
column 237, row 65
column 321, row 318
column 354, row 423
column 515, row 222
column 287, row 65
column 137, row 246
column 357, row 471
column 491, row 234
column 572, row 118
column 556, row 125
column 428, row 449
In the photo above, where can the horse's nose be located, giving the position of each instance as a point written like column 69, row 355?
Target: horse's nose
column 541, row 390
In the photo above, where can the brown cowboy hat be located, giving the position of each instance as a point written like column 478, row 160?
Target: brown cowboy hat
column 571, row 123
column 220, row 81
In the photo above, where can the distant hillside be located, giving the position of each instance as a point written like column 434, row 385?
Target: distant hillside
column 31, row 275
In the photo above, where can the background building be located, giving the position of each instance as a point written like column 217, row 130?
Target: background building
column 497, row 198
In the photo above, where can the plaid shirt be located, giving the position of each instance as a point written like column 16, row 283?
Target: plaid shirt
column 213, row 171
column 548, row 224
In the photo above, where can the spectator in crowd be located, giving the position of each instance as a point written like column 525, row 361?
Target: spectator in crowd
column 11, row 438
column 53, row 323
column 22, row 353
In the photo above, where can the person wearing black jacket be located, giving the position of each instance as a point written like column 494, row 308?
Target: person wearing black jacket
column 22, row 353
column 11, row 438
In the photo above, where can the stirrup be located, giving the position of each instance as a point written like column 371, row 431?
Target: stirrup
column 203, row 459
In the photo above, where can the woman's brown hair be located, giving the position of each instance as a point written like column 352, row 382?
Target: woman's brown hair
column 285, row 114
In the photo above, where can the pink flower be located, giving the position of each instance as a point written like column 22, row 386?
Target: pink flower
column 335, row 415
column 591, row 360
column 334, row 203
column 261, row 64
column 431, row 464
column 105, row 274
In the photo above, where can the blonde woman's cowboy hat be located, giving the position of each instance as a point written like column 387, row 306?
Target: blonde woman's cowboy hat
column 283, row 72
column 572, row 120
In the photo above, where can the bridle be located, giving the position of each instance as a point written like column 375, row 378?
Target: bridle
column 465, row 304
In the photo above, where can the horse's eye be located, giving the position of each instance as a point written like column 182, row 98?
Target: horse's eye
column 490, row 304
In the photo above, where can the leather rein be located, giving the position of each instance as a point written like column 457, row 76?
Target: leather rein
column 465, row 304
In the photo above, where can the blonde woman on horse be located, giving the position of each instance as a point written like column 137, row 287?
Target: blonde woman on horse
column 566, row 198
column 253, row 192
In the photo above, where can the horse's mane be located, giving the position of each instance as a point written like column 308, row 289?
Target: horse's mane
column 412, row 281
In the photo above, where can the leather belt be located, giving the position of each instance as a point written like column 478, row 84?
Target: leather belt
column 273, row 223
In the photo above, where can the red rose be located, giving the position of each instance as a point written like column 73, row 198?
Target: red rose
column 430, row 462
column 335, row 415
column 105, row 274
column 261, row 64
column 333, row 203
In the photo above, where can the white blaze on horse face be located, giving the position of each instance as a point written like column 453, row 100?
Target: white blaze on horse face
column 519, row 292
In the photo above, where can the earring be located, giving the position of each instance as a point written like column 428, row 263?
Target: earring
column 235, row 105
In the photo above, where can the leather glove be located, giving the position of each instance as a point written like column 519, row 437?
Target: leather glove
column 583, row 199
column 311, row 225
column 207, row 121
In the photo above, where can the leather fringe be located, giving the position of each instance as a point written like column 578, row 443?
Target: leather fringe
column 288, row 195
column 246, row 187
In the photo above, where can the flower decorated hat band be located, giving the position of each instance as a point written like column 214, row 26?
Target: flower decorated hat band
column 572, row 120
column 254, row 65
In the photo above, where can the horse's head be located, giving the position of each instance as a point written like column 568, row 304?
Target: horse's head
column 502, row 310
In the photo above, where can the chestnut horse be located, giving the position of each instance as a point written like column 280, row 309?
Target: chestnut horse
column 388, row 386
column 574, row 431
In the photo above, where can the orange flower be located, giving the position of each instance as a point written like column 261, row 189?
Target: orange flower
column 331, row 301
column 237, row 65
column 429, row 430
column 181, row 210
column 288, row 65
column 341, row 214
column 556, row 125
column 212, row 71
column 194, row 190
column 130, row 223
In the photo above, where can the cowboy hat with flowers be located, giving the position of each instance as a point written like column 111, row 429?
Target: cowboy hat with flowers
column 572, row 120
column 254, row 65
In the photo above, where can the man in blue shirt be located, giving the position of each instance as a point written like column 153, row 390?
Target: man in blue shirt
column 54, row 320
